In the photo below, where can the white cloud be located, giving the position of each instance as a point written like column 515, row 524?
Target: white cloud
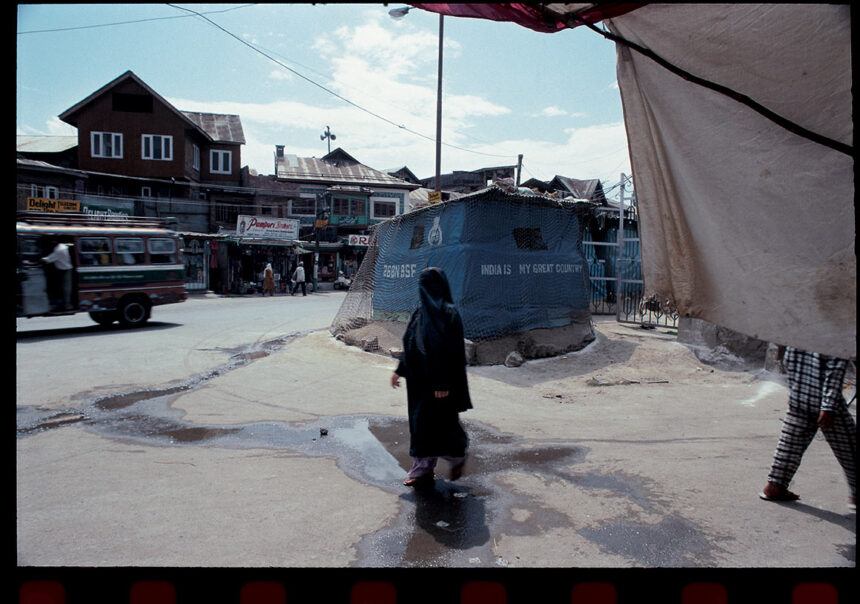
column 552, row 112
column 280, row 75
column 52, row 127
column 389, row 69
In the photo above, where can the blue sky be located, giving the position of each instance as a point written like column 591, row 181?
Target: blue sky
column 506, row 89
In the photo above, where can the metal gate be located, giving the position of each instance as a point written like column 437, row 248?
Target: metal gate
column 615, row 270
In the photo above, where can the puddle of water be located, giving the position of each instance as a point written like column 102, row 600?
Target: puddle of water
column 448, row 524
column 673, row 542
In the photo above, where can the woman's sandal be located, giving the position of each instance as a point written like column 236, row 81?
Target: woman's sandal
column 785, row 495
column 456, row 471
column 418, row 481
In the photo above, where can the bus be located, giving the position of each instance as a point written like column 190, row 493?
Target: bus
column 122, row 266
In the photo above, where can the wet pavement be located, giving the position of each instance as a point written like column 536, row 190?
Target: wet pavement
column 545, row 482
column 445, row 524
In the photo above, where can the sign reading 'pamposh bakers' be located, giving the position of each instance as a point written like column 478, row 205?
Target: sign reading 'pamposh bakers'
column 266, row 227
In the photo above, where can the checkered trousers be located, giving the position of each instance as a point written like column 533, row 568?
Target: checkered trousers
column 798, row 430
column 815, row 380
column 815, row 384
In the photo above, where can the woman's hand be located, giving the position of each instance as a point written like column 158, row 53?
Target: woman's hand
column 395, row 380
column 441, row 393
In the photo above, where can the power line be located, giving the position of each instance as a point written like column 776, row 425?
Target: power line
column 59, row 29
column 329, row 91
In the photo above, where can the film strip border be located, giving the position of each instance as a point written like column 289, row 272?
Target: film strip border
column 456, row 586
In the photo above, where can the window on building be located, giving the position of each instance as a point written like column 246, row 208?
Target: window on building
column 226, row 213
column 220, row 162
column 136, row 103
column 349, row 207
column 340, row 206
column 94, row 251
column 303, row 206
column 384, row 209
column 129, row 250
column 44, row 191
column 106, row 144
column 529, row 239
column 196, row 157
column 157, row 146
column 162, row 250
column 146, row 191
column 417, row 237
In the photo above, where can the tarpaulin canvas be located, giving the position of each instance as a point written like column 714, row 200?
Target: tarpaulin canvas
column 742, row 222
column 513, row 266
column 746, row 216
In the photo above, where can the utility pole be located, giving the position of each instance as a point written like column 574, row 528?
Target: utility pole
column 519, row 167
column 439, row 113
column 322, row 216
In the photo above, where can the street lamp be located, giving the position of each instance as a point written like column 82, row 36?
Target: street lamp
column 399, row 13
column 328, row 135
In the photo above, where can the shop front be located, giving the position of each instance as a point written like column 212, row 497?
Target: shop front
column 258, row 241
column 247, row 259
column 200, row 255
column 354, row 250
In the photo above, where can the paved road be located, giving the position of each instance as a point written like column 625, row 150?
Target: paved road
column 628, row 454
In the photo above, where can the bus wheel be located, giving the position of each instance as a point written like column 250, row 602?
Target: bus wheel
column 133, row 312
column 103, row 317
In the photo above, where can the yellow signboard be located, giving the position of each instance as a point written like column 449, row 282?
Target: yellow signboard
column 40, row 204
column 434, row 196
column 321, row 224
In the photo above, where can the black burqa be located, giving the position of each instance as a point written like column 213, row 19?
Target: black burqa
column 434, row 359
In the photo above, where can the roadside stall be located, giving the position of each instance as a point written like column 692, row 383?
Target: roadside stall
column 256, row 242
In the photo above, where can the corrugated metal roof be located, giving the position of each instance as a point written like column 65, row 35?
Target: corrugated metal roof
column 335, row 168
column 41, row 165
column 582, row 189
column 45, row 144
column 225, row 128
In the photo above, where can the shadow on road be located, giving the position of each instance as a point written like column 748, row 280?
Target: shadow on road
column 847, row 521
column 38, row 335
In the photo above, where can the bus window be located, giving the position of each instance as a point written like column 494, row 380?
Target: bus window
column 162, row 251
column 129, row 250
column 94, row 251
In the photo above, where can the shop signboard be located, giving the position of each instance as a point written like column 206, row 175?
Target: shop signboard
column 40, row 204
column 362, row 240
column 90, row 206
column 267, row 227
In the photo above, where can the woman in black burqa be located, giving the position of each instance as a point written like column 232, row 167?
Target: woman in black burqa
column 434, row 366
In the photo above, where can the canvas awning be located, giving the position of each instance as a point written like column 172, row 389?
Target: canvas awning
column 739, row 124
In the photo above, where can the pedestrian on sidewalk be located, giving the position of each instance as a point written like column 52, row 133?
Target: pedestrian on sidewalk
column 814, row 401
column 299, row 280
column 434, row 366
column 269, row 280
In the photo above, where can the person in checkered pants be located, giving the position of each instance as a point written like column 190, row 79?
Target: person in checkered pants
column 815, row 401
